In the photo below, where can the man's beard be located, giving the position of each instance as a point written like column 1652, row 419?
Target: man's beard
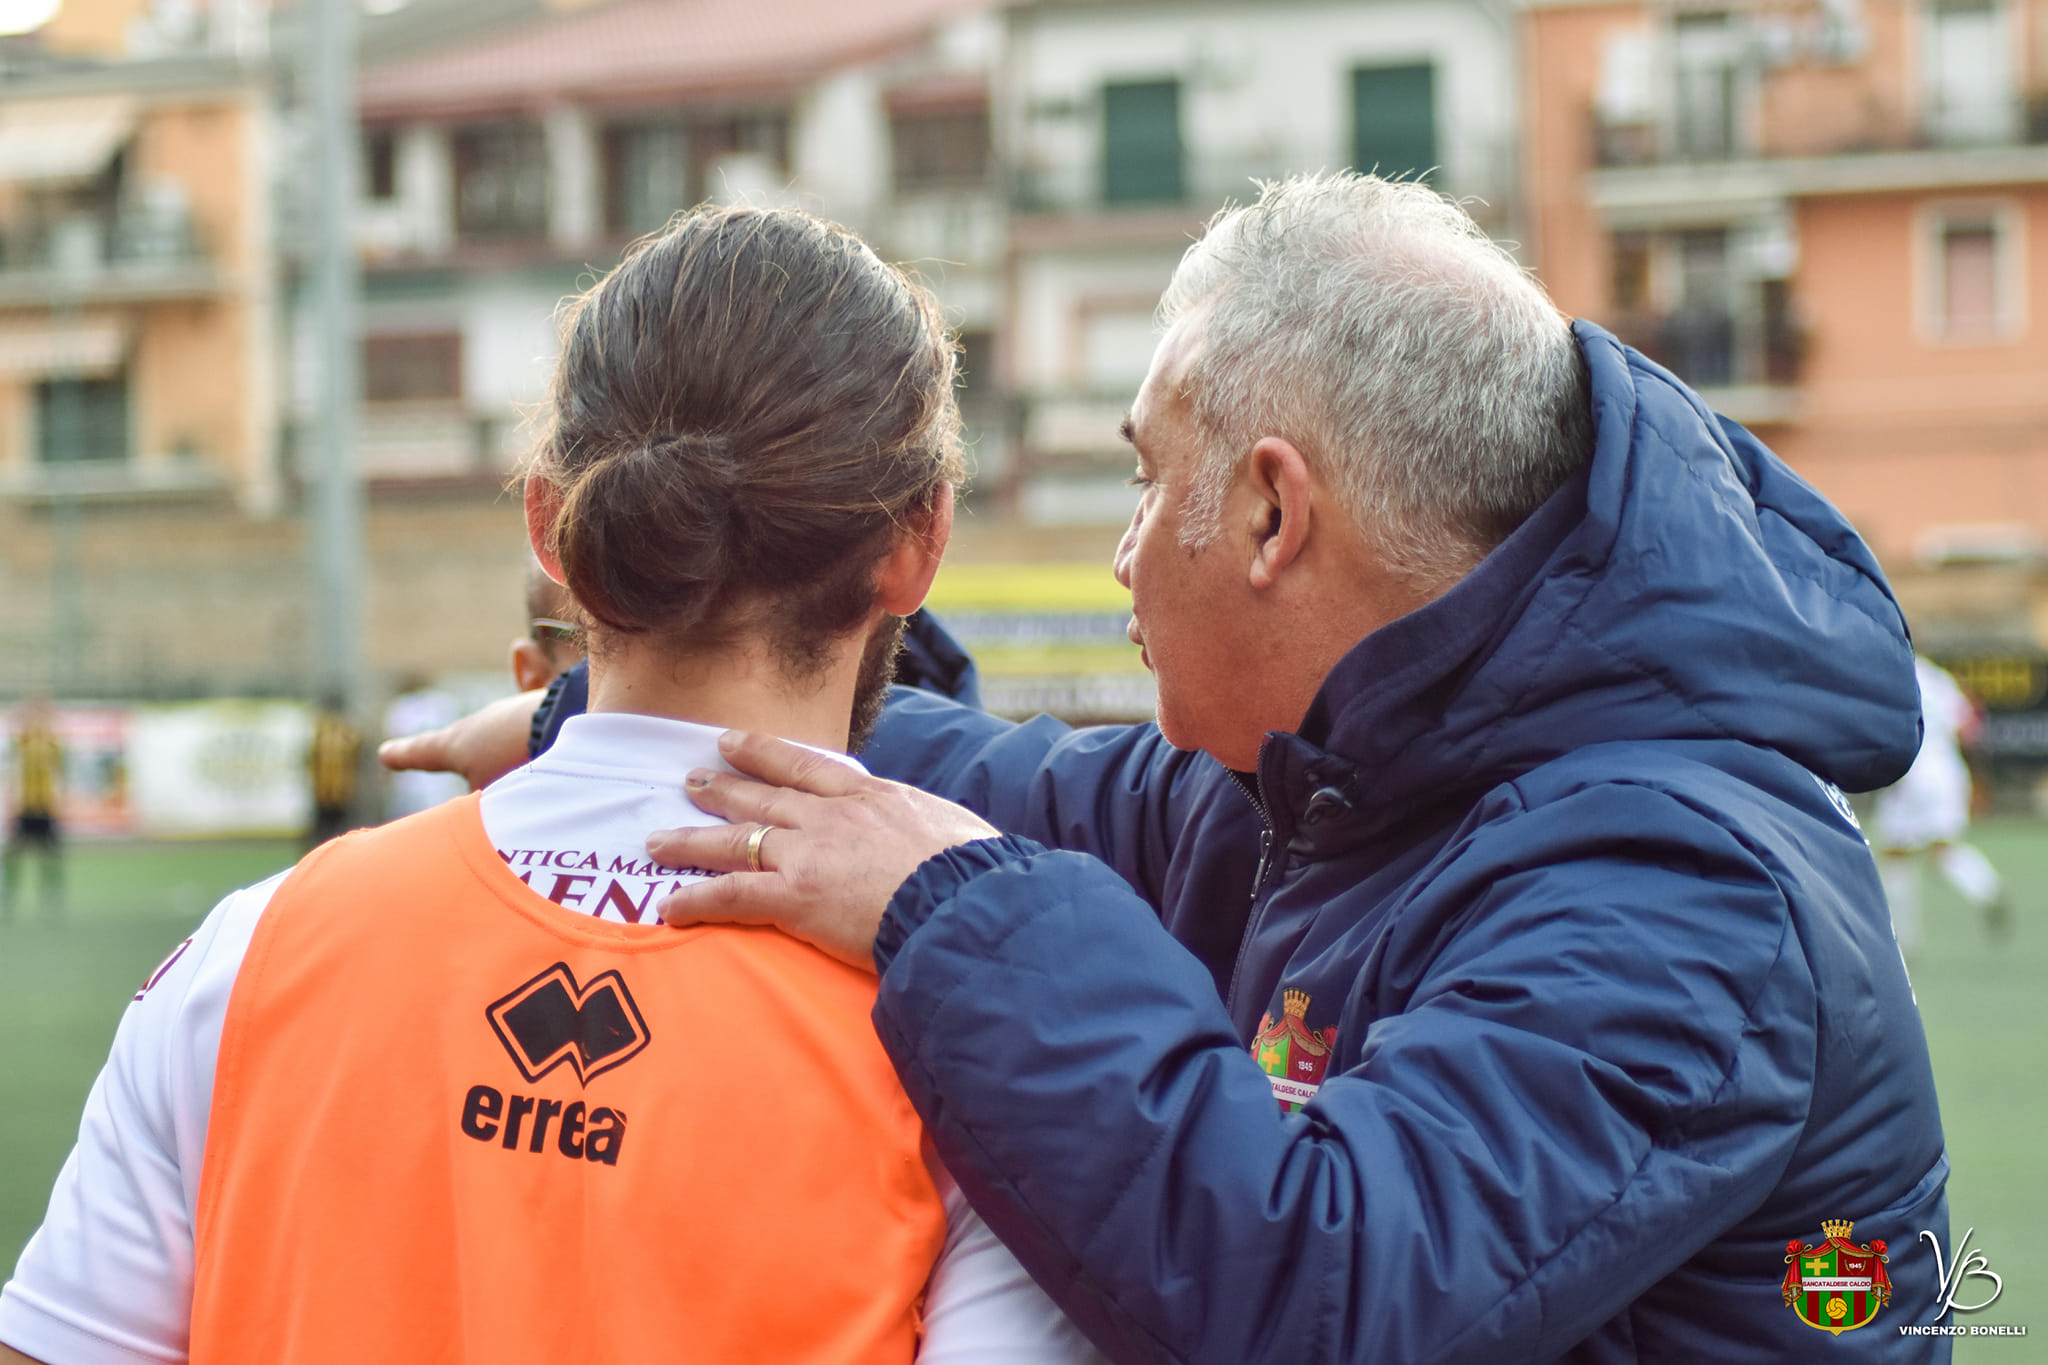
column 871, row 686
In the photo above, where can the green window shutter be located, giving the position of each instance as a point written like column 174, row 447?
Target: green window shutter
column 82, row 419
column 1141, row 153
column 1394, row 119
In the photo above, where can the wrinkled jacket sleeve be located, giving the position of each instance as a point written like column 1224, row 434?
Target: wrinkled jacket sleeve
column 1600, row 1060
column 1120, row 793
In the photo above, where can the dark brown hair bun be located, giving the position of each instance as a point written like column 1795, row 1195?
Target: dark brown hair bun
column 746, row 411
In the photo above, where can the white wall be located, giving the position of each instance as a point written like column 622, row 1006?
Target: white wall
column 1264, row 89
column 419, row 218
column 1083, row 318
column 575, row 180
column 509, row 343
column 839, row 146
column 842, row 166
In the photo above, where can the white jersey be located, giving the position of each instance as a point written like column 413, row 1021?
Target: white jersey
column 107, row 1279
column 1931, row 803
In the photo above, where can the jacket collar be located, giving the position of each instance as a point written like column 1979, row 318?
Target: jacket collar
column 1384, row 697
column 1684, row 585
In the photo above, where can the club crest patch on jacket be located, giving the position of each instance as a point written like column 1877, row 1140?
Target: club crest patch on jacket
column 1836, row 1286
column 1291, row 1053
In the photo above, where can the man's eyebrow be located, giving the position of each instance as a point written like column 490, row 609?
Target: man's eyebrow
column 1126, row 431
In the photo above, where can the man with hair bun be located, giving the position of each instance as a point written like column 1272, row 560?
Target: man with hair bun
column 448, row 1090
column 1507, row 697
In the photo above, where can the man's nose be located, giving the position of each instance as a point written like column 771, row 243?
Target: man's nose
column 1125, row 548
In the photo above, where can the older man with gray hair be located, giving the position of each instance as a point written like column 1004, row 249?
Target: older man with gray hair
column 1506, row 700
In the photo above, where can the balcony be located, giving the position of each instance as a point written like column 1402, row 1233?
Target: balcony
column 1746, row 367
column 422, row 445
column 1650, row 174
column 165, row 478
column 136, row 253
column 1956, row 126
column 961, row 226
column 1065, row 190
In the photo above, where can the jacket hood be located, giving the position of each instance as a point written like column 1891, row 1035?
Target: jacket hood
column 1686, row 585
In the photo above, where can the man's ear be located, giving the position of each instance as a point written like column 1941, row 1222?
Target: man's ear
column 1280, row 513
column 543, row 506
column 911, row 564
column 531, row 666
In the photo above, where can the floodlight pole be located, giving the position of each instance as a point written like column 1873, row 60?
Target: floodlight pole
column 335, row 523
column 67, row 415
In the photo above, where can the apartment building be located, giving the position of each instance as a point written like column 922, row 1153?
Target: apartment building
column 137, row 307
column 1832, row 218
column 134, row 283
column 500, row 173
column 156, row 371
column 1125, row 124
column 1043, row 164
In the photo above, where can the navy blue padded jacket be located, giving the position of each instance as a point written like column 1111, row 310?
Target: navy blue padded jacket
column 1527, row 1004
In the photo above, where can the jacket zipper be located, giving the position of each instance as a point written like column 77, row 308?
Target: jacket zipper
column 1266, row 864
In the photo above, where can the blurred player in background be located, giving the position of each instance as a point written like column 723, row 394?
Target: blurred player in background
column 553, row 642
column 332, row 761
column 38, row 779
column 391, row 1106
column 1924, row 816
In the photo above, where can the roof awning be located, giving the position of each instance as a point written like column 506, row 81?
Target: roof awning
column 85, row 348
column 62, row 139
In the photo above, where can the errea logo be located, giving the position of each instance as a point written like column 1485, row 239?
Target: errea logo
column 583, row 1134
column 545, row 1025
column 551, row 1020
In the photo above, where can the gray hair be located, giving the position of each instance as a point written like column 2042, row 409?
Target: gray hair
column 1373, row 324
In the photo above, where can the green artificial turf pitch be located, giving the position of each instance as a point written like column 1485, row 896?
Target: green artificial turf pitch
column 64, row 983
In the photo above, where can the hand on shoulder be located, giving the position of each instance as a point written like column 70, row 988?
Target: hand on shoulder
column 814, row 847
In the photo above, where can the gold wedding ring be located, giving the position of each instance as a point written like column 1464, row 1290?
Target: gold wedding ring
column 754, row 847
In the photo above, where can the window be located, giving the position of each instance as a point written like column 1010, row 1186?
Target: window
column 1714, row 304
column 380, row 164
column 1971, row 289
column 81, row 420
column 935, row 149
column 1625, row 104
column 501, row 181
column 1784, row 335
column 1630, row 268
column 1393, row 112
column 1966, row 73
column 413, row 369
column 1141, row 151
column 1707, row 71
column 1699, row 335
column 646, row 176
column 1969, row 270
column 656, row 166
